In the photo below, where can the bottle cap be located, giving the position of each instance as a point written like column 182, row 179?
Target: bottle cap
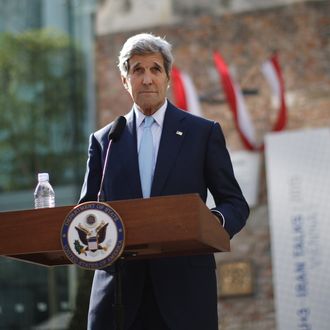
column 43, row 177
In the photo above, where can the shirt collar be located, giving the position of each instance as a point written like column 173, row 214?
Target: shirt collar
column 158, row 115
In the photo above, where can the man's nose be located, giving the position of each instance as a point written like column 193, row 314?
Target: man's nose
column 147, row 79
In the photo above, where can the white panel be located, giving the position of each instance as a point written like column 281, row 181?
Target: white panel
column 298, row 181
column 246, row 166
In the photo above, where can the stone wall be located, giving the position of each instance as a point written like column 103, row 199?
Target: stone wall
column 301, row 35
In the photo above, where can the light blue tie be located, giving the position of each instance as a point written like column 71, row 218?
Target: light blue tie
column 146, row 154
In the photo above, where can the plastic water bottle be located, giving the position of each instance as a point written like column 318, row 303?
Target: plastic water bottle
column 44, row 195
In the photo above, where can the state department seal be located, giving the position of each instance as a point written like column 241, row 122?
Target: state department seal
column 93, row 235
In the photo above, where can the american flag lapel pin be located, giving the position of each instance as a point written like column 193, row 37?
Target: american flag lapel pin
column 179, row 133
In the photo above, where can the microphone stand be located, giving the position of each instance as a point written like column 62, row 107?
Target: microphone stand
column 118, row 296
column 118, row 265
column 117, row 274
column 100, row 194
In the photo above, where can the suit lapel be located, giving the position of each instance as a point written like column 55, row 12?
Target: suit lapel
column 127, row 151
column 173, row 134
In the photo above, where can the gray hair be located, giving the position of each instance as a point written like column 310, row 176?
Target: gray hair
column 141, row 44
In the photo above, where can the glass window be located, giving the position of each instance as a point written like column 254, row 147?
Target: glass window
column 46, row 114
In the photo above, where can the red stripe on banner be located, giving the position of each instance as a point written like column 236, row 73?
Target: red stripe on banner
column 230, row 94
column 282, row 116
column 178, row 91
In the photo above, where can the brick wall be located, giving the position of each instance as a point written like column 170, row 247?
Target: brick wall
column 301, row 35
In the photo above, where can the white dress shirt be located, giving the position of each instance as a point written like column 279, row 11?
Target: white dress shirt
column 156, row 128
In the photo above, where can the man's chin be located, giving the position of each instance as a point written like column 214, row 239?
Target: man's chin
column 148, row 108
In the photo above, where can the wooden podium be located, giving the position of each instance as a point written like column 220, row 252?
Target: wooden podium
column 155, row 227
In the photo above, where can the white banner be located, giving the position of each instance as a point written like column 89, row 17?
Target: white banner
column 298, row 180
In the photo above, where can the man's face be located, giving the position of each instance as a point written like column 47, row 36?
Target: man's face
column 147, row 82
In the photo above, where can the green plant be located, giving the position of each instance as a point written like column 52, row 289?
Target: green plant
column 41, row 108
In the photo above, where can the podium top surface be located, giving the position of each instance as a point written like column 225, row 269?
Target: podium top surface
column 157, row 226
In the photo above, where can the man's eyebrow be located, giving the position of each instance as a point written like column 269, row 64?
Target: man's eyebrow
column 158, row 65
column 135, row 65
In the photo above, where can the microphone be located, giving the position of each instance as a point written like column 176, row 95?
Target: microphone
column 116, row 130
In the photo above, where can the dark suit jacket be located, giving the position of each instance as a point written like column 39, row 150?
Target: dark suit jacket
column 197, row 160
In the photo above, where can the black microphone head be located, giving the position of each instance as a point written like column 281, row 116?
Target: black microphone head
column 117, row 128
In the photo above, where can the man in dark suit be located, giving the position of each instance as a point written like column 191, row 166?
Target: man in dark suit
column 188, row 155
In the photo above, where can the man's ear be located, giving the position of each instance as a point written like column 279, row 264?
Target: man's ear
column 124, row 81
